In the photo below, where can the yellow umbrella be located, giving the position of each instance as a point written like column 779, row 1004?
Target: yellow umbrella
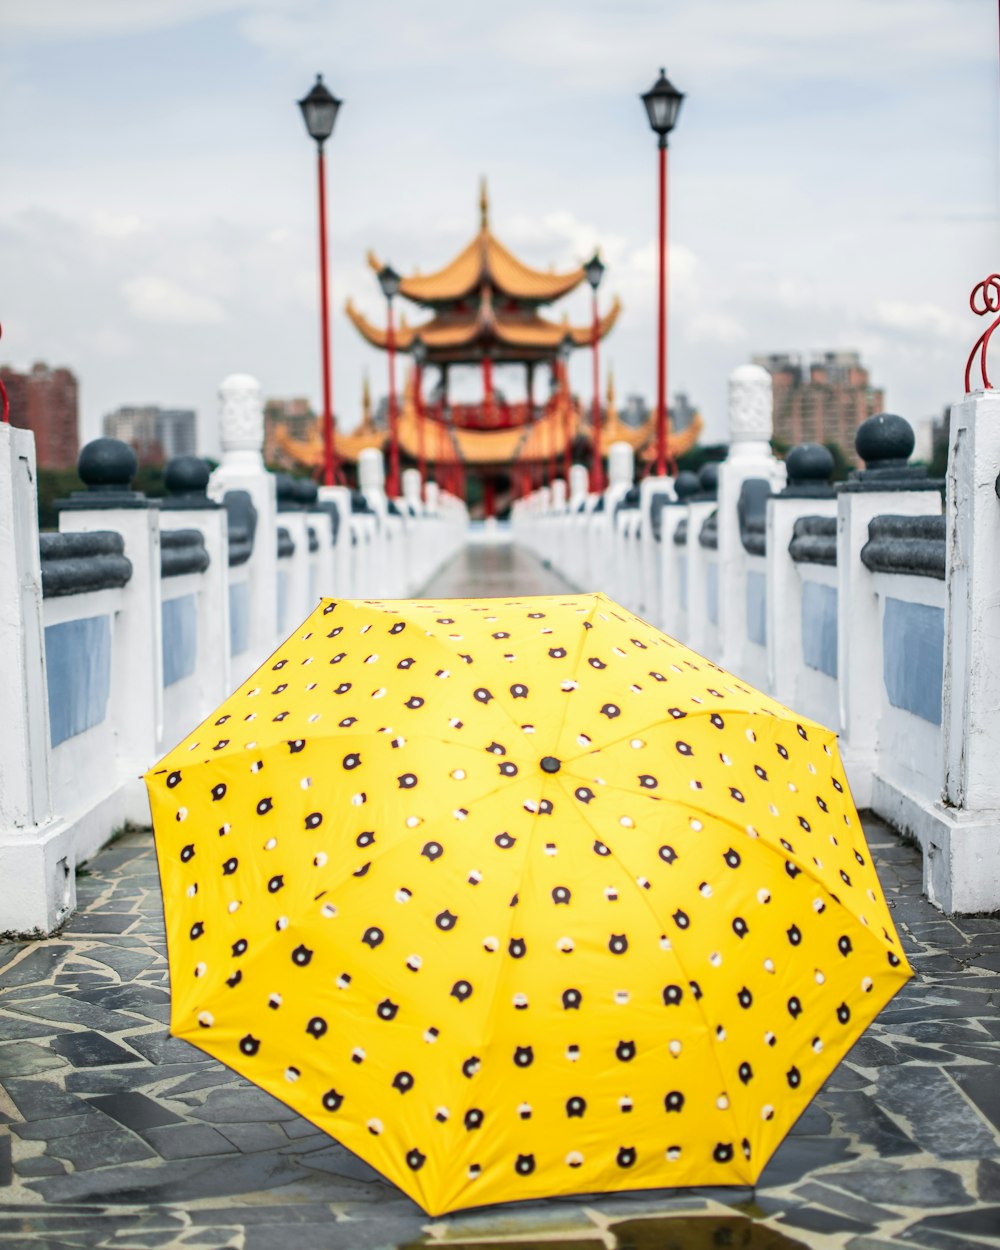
column 518, row 898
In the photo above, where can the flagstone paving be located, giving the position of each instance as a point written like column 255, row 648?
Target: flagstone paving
column 113, row 1134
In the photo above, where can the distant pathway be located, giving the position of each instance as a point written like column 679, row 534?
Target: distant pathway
column 482, row 570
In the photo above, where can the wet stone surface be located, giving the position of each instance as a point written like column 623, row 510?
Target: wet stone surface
column 114, row 1135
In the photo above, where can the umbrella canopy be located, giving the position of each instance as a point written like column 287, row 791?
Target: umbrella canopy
column 518, row 898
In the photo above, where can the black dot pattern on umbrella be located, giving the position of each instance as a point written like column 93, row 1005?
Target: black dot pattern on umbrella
column 667, row 883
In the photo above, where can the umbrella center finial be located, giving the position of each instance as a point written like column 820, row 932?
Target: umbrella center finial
column 550, row 764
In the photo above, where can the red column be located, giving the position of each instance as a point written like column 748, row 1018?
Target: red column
column 661, row 362
column 329, row 432
column 565, row 399
column 418, row 397
column 392, row 482
column 487, row 385
column 597, row 468
column 4, row 401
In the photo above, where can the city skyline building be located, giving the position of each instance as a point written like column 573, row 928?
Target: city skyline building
column 46, row 401
column 155, row 434
column 822, row 401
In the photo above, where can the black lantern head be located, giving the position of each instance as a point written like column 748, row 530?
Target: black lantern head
column 319, row 109
column 418, row 350
column 663, row 104
column 594, row 269
column 567, row 344
column 389, row 280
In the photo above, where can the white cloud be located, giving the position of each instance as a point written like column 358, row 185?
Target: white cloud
column 162, row 300
column 717, row 327
column 64, row 19
column 920, row 321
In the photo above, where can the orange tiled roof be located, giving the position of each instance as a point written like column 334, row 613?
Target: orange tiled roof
column 485, row 261
column 449, row 334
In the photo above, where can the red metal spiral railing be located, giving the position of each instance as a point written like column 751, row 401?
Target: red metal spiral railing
column 985, row 299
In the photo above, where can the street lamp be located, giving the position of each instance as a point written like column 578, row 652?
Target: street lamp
column 389, row 280
column 319, row 111
column 663, row 105
column 594, row 269
column 565, row 351
column 419, row 352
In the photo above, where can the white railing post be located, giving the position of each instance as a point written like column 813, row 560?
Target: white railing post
column 886, row 485
column 964, row 869
column 702, row 569
column 187, row 506
column 35, row 894
column 241, row 419
column 808, row 493
column 673, row 558
column 750, row 456
column 108, row 467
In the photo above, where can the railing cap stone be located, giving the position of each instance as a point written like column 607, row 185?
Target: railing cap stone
column 107, row 467
column 186, row 479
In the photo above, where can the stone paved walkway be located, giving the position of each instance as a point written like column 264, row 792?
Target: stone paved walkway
column 113, row 1134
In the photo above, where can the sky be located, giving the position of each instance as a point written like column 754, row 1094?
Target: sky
column 834, row 183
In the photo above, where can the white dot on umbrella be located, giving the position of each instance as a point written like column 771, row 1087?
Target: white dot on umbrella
column 270, row 844
column 306, row 782
column 412, row 822
column 206, row 1019
column 722, row 1102
column 675, row 1048
column 458, row 774
column 234, row 906
column 328, row 910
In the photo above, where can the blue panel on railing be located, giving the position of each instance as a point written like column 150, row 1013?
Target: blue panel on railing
column 913, row 657
column 682, row 588
column 239, row 617
column 78, row 671
column 282, row 600
column 819, row 627
column 757, row 608
column 180, row 638
column 712, row 592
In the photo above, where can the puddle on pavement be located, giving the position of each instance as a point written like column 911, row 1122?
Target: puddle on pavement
column 661, row 1232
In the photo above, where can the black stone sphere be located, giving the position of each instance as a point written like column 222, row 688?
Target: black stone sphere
column 107, row 464
column 708, row 478
column 884, row 441
column 186, row 475
column 809, row 462
column 306, row 491
column 285, row 488
column 686, row 484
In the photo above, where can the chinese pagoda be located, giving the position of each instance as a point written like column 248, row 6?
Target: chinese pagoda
column 482, row 311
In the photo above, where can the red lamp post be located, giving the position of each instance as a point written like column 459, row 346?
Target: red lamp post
column 594, row 269
column 419, row 354
column 319, row 110
column 389, row 280
column 663, row 104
